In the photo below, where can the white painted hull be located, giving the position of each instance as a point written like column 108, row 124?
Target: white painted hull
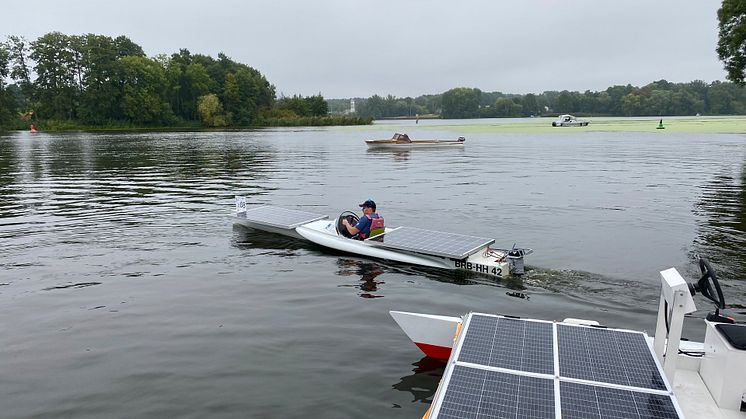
column 377, row 144
column 263, row 227
column 323, row 233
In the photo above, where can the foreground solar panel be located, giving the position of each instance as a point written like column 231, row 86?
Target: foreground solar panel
column 436, row 243
column 504, row 367
column 280, row 217
column 608, row 356
column 522, row 345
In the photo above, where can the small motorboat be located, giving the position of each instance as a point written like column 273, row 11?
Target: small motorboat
column 569, row 121
column 410, row 245
column 402, row 141
column 578, row 368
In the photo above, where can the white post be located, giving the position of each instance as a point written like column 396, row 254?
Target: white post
column 675, row 292
column 240, row 204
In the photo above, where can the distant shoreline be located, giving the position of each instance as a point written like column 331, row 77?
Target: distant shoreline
column 672, row 124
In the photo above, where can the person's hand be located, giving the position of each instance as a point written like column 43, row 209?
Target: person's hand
column 345, row 222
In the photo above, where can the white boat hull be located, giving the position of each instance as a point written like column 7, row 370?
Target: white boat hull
column 376, row 144
column 317, row 229
column 323, row 233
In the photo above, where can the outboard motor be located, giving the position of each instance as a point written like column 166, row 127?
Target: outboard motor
column 515, row 258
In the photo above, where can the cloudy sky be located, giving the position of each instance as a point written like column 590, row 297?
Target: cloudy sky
column 351, row 48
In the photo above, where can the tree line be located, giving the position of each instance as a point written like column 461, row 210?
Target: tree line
column 96, row 80
column 657, row 98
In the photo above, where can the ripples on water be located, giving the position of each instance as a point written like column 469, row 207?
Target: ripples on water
column 127, row 292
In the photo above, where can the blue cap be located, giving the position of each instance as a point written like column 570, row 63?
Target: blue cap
column 368, row 204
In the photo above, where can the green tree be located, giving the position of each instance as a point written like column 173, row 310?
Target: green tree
column 101, row 87
column 55, row 71
column 211, row 111
column 731, row 46
column 143, row 81
column 231, row 95
column 505, row 107
column 530, row 105
column 461, row 102
column 316, row 105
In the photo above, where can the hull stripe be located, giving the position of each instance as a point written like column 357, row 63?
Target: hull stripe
column 434, row 351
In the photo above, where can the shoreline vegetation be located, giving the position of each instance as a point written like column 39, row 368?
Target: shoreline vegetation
column 734, row 124
column 62, row 82
column 93, row 82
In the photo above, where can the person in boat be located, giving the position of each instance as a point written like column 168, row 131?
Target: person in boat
column 370, row 224
column 402, row 138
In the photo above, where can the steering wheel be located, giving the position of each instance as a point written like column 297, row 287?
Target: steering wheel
column 708, row 284
column 351, row 218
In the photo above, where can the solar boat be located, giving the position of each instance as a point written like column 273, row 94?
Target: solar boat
column 508, row 367
column 409, row 245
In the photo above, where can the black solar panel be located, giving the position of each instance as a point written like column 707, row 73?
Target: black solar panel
column 279, row 217
column 476, row 393
column 587, row 401
column 508, row 368
column 509, row 343
column 436, row 243
column 607, row 356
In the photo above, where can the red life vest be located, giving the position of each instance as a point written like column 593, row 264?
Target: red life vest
column 376, row 227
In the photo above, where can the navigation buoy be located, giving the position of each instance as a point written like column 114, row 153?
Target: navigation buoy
column 660, row 125
column 33, row 129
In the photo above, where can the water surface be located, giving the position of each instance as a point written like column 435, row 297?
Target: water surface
column 127, row 291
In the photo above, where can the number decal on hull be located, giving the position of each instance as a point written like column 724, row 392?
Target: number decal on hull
column 476, row 267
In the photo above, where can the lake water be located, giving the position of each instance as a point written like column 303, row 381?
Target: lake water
column 126, row 290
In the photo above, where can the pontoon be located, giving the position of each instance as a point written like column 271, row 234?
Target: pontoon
column 410, row 245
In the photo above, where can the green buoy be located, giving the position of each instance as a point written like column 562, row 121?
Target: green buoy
column 660, row 125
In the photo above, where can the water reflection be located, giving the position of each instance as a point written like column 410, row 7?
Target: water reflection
column 396, row 155
column 368, row 273
column 424, row 380
column 722, row 227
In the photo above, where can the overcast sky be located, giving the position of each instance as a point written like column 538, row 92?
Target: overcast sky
column 351, row 48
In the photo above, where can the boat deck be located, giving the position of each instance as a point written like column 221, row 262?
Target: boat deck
column 278, row 217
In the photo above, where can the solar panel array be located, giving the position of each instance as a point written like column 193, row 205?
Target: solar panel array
column 279, row 217
column 429, row 242
column 504, row 367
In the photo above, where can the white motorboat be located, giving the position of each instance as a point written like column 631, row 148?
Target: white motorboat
column 577, row 368
column 410, row 245
column 569, row 121
column 402, row 141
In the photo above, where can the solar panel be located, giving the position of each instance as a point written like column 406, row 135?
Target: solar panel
column 279, row 217
column 588, row 401
column 521, row 345
column 436, row 243
column 607, row 356
column 509, row 367
column 476, row 393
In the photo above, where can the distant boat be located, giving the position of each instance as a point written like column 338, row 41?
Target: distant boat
column 403, row 141
column 569, row 121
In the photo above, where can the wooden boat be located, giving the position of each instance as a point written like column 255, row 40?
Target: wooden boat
column 402, row 141
column 585, row 367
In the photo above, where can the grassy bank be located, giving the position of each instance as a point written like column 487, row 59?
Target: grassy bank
column 709, row 125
